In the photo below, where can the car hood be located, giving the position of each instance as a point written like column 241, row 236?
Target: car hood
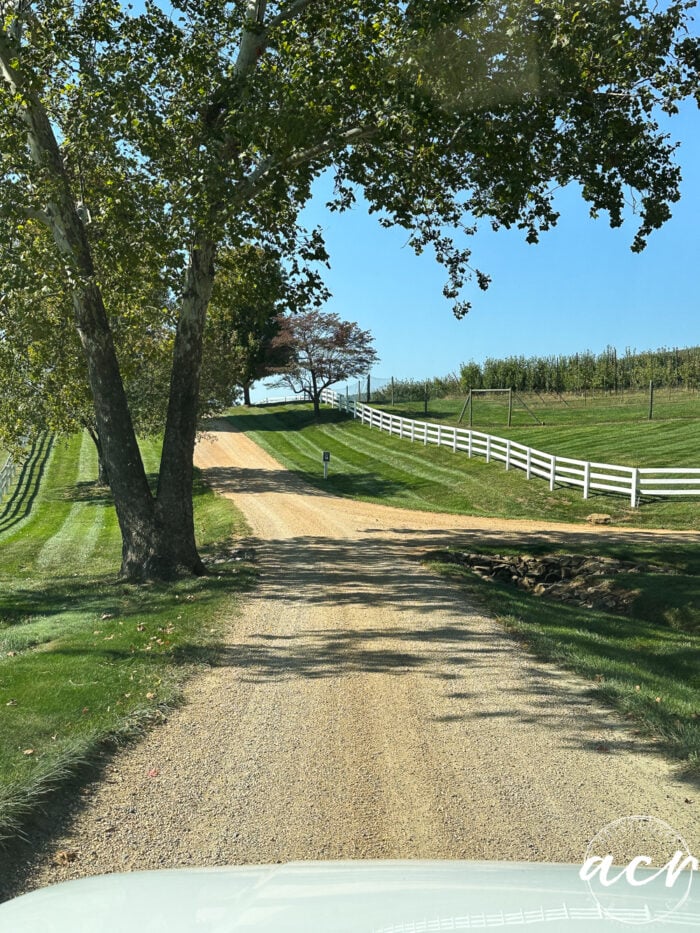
column 348, row 897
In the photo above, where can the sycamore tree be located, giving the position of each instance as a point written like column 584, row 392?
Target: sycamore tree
column 152, row 140
column 323, row 351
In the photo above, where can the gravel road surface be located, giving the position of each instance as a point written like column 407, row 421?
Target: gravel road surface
column 363, row 709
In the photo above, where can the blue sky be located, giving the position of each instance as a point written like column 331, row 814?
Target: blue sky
column 580, row 288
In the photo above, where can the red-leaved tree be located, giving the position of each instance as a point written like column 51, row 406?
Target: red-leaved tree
column 324, row 352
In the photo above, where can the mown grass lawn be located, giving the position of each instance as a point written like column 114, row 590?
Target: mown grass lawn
column 490, row 412
column 609, row 429
column 84, row 657
column 378, row 467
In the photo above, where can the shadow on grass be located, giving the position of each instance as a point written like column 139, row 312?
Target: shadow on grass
column 21, row 502
column 293, row 419
column 91, row 491
column 105, row 595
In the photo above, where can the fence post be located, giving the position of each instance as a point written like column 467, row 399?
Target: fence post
column 425, row 433
column 413, row 430
column 507, row 454
column 488, row 448
column 586, row 479
column 634, row 494
column 439, row 435
column 454, row 440
column 528, row 463
column 553, row 474
column 469, row 444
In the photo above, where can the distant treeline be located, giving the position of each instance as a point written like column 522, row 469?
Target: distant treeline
column 580, row 372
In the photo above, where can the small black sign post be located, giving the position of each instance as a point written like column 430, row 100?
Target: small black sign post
column 326, row 461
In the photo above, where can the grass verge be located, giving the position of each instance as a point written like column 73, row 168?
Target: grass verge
column 646, row 665
column 377, row 467
column 85, row 659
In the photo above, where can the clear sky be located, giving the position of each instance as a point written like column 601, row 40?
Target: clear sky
column 580, row 288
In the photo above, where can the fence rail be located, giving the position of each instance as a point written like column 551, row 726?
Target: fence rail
column 590, row 476
column 7, row 474
column 280, row 400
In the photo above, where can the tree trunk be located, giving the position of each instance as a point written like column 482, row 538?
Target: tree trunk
column 315, row 396
column 246, row 395
column 174, row 497
column 144, row 546
column 121, row 456
column 102, row 478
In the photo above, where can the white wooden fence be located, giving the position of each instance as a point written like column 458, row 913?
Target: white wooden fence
column 631, row 482
column 7, row 474
column 281, row 400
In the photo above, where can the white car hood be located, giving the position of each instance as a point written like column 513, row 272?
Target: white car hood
column 348, row 897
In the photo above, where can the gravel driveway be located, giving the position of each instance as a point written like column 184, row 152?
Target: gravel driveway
column 362, row 709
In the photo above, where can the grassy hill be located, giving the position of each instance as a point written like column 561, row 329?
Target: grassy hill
column 377, row 467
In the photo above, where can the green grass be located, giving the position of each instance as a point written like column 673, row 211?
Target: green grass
column 609, row 429
column 647, row 666
column 83, row 657
column 377, row 467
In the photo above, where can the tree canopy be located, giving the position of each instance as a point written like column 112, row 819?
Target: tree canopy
column 138, row 145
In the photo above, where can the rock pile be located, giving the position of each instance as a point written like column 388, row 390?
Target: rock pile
column 570, row 578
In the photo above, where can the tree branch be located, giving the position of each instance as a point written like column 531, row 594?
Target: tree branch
column 9, row 72
column 251, row 184
column 27, row 213
column 253, row 39
column 298, row 6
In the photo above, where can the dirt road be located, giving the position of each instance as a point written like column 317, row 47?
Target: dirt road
column 362, row 710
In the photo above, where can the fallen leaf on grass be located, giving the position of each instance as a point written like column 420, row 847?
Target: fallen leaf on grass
column 150, row 696
column 11, row 703
column 28, row 751
column 106, row 615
